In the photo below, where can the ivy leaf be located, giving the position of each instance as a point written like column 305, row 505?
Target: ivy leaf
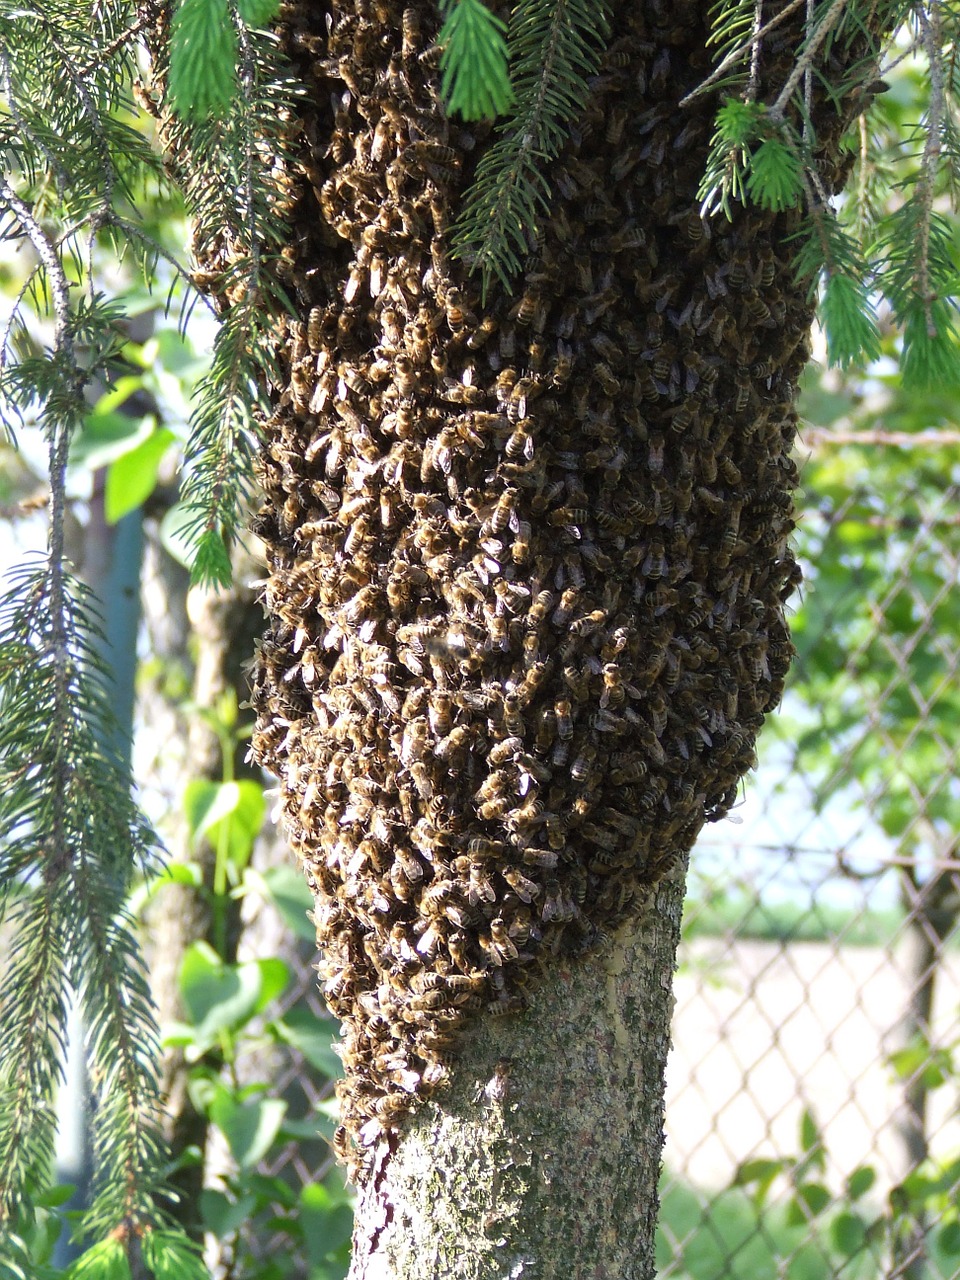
column 849, row 1233
column 860, row 1181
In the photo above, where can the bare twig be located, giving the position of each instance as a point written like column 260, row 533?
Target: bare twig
column 737, row 54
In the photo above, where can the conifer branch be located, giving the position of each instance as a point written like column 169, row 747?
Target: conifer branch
column 226, row 157
column 816, row 35
column 931, row 35
column 741, row 51
column 555, row 46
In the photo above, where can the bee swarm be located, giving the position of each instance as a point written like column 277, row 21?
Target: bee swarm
column 527, row 562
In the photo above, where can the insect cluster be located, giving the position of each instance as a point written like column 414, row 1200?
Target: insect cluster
column 528, row 561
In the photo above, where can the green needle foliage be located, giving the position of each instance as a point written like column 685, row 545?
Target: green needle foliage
column 555, row 47
column 204, row 54
column 476, row 81
column 230, row 189
column 891, row 241
column 70, row 834
column 203, row 59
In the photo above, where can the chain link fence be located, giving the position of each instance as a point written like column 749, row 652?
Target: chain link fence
column 812, row 1112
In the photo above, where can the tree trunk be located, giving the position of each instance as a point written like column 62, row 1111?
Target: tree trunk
column 543, row 1156
column 528, row 558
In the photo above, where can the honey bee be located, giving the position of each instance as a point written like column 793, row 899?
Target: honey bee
column 557, row 905
column 504, row 750
column 410, row 27
column 631, row 769
column 406, row 377
column 520, row 443
column 525, row 889
column 419, row 344
column 512, row 715
column 504, row 514
column 563, row 713
column 357, row 536
column 511, row 595
column 415, row 741
column 583, row 763
column 526, row 310
column 564, row 610
column 430, row 939
column 655, row 564
column 604, row 375
column 494, row 808
column 459, row 316
column 480, row 887
column 757, row 311
column 497, row 944
column 481, row 333
column 462, row 392
column 457, row 740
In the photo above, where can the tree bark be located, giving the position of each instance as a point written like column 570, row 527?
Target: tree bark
column 528, row 557
column 550, row 1131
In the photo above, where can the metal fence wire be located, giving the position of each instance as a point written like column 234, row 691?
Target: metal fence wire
column 812, row 1111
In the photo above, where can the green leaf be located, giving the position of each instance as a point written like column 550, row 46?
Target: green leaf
column 761, row 1174
column 313, row 1037
column 219, row 997
column 221, row 1215
column 107, row 436
column 921, row 1061
column 239, row 805
column 249, row 1127
column 327, row 1221
column 948, row 1238
column 133, row 477
column 53, row 1197
column 809, row 1200
column 205, row 803
column 290, row 895
column 811, row 1139
column 860, row 1181
column 849, row 1233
